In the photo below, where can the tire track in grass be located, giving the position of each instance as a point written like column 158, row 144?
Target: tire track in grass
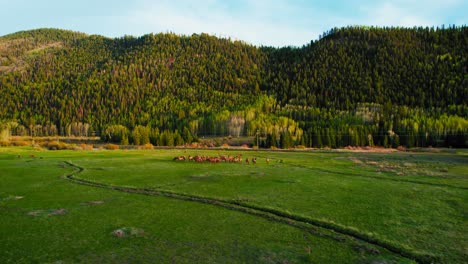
column 302, row 222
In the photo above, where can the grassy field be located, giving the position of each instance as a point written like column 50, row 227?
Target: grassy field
column 302, row 207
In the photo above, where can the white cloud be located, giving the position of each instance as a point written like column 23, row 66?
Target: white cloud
column 390, row 14
column 256, row 22
column 410, row 13
column 267, row 22
column 276, row 22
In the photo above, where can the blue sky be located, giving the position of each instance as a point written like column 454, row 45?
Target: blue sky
column 259, row 22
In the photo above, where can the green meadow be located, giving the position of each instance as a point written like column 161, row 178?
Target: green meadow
column 141, row 206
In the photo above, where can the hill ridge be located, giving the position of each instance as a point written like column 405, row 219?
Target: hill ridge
column 382, row 80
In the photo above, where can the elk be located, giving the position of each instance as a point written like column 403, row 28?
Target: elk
column 179, row 158
column 214, row 159
column 223, row 158
column 238, row 158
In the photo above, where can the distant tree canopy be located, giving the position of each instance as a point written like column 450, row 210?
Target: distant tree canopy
column 355, row 86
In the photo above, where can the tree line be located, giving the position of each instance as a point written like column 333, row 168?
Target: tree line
column 358, row 86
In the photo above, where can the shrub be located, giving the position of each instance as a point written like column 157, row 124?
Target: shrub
column 69, row 146
column 147, row 146
column 20, row 143
column 225, row 145
column 56, row 145
column 4, row 143
column 52, row 145
column 84, row 146
column 111, row 146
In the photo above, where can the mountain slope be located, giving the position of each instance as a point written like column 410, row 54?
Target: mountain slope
column 19, row 48
column 371, row 79
column 415, row 67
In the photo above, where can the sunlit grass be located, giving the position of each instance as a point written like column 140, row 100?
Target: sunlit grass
column 415, row 201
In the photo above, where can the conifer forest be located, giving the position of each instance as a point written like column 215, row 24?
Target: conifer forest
column 354, row 86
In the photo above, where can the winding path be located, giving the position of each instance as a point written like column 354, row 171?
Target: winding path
column 313, row 226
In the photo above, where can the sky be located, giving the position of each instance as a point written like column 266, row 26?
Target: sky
column 259, row 22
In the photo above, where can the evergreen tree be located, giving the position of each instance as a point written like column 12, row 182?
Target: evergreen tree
column 351, row 83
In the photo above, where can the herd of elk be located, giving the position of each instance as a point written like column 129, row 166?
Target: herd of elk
column 220, row 158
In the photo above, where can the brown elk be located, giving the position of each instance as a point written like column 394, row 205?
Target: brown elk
column 214, row 159
column 238, row 158
column 179, row 158
column 223, row 158
column 218, row 159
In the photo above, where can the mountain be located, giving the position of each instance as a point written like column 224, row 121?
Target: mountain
column 421, row 67
column 17, row 49
column 353, row 86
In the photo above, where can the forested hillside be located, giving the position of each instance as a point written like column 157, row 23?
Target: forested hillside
column 354, row 86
